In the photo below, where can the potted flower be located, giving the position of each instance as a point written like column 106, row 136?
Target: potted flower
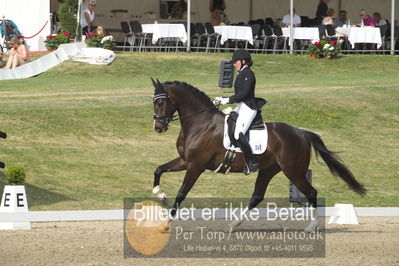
column 54, row 40
column 331, row 49
column 108, row 42
column 93, row 40
column 314, row 50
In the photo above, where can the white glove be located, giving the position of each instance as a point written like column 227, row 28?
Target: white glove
column 217, row 100
column 224, row 101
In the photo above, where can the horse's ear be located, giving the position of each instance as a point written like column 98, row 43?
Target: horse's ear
column 153, row 83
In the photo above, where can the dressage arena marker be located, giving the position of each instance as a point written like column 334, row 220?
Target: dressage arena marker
column 14, row 201
column 346, row 215
column 119, row 215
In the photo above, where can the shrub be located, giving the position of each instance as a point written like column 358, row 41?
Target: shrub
column 67, row 13
column 15, row 175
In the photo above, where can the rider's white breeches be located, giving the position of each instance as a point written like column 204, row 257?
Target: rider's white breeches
column 245, row 117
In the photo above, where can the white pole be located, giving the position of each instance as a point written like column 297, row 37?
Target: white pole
column 392, row 27
column 291, row 26
column 78, row 18
column 188, row 24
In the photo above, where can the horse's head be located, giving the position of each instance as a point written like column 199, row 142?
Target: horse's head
column 163, row 107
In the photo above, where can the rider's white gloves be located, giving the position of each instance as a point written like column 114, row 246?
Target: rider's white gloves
column 222, row 100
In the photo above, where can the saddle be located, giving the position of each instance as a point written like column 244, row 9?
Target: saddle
column 256, row 135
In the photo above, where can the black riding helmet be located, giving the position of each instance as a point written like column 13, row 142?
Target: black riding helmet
column 242, row 55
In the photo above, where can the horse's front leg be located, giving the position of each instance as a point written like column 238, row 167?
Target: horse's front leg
column 191, row 176
column 177, row 164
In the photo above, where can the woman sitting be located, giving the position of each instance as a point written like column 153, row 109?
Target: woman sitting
column 18, row 55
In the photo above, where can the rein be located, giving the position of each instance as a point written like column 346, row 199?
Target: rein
column 169, row 118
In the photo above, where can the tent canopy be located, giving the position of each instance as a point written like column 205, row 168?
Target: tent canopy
column 238, row 10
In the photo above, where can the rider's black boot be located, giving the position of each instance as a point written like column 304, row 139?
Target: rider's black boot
column 251, row 165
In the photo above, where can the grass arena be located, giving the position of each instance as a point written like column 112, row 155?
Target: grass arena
column 84, row 135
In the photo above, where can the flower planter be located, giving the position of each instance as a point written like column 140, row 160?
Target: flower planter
column 313, row 56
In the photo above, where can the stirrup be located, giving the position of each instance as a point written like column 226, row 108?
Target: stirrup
column 250, row 167
column 225, row 166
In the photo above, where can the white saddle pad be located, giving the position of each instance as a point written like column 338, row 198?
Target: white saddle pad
column 257, row 140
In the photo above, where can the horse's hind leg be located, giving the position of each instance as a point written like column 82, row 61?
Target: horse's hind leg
column 261, row 184
column 298, row 178
column 175, row 165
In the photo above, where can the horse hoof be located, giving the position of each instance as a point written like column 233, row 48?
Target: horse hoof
column 312, row 226
column 3, row 135
column 164, row 201
column 2, row 165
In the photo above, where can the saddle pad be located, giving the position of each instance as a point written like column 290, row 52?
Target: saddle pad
column 257, row 140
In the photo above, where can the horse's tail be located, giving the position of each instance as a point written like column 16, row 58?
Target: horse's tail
column 334, row 163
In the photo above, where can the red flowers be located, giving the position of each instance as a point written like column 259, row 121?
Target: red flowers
column 91, row 35
column 51, row 36
column 66, row 34
column 317, row 43
column 334, row 42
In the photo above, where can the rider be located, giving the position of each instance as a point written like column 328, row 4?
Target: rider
column 247, row 104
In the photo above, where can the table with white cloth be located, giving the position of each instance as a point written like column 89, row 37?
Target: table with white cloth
column 303, row 33
column 165, row 31
column 242, row 33
column 361, row 35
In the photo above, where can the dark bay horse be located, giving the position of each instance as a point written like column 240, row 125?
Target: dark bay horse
column 200, row 146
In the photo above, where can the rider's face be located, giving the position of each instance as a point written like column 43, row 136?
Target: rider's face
column 238, row 64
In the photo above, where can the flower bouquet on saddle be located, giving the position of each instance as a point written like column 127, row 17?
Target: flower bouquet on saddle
column 324, row 49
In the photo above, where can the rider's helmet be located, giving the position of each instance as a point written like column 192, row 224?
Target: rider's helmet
column 242, row 55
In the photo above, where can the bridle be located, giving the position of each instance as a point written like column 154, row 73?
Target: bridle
column 169, row 117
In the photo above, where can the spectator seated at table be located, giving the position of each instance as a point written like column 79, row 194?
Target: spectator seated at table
column 379, row 21
column 342, row 19
column 217, row 7
column 329, row 19
column 367, row 20
column 179, row 9
column 287, row 20
column 18, row 54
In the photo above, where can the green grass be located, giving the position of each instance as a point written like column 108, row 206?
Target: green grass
column 84, row 133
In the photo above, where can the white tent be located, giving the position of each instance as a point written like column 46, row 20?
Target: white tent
column 30, row 16
column 35, row 13
column 239, row 10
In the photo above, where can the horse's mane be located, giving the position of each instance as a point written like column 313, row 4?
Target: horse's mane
column 199, row 94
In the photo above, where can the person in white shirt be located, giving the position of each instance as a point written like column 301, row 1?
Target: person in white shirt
column 287, row 20
column 88, row 17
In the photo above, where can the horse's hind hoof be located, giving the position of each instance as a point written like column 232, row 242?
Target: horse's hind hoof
column 2, row 165
column 164, row 201
column 3, row 135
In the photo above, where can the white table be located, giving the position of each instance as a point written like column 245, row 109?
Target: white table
column 361, row 35
column 243, row 33
column 303, row 33
column 165, row 31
